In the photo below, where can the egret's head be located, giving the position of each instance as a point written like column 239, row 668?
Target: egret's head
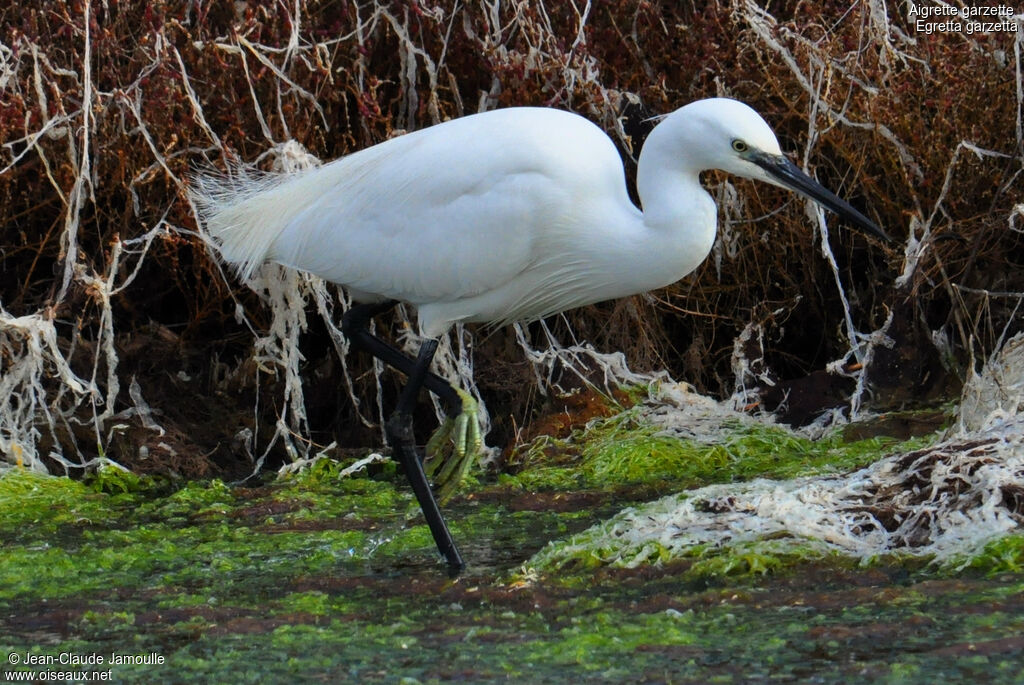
column 728, row 135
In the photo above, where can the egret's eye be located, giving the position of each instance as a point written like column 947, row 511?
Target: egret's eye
column 739, row 146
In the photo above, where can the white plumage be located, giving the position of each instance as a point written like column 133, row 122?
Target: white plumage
column 505, row 215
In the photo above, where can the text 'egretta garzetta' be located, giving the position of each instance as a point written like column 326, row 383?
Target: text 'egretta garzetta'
column 507, row 215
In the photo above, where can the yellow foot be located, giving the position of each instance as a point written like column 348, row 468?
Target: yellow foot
column 453, row 448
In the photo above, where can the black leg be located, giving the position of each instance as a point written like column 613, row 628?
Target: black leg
column 399, row 426
column 355, row 325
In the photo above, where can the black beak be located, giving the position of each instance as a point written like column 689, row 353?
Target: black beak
column 789, row 175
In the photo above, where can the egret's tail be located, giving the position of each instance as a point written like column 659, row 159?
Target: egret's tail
column 244, row 211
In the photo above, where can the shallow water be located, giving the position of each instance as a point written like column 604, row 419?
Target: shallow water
column 316, row 581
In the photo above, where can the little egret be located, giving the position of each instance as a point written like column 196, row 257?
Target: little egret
column 507, row 215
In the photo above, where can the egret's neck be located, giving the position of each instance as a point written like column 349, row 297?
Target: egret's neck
column 675, row 205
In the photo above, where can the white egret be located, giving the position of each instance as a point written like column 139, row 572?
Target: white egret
column 507, row 215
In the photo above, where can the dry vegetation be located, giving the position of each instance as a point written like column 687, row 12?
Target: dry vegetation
column 121, row 337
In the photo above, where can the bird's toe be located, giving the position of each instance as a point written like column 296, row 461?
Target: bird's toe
column 453, row 448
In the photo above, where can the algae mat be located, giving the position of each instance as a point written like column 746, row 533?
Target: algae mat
column 335, row 580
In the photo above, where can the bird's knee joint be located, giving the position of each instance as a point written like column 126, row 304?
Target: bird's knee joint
column 352, row 321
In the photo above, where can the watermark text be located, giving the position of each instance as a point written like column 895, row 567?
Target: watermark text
column 929, row 19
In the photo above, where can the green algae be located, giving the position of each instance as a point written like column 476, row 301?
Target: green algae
column 621, row 451
column 65, row 539
column 1002, row 555
column 69, row 539
column 619, row 629
column 571, row 561
column 747, row 560
column 34, row 505
column 326, row 578
column 323, row 493
column 115, row 479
